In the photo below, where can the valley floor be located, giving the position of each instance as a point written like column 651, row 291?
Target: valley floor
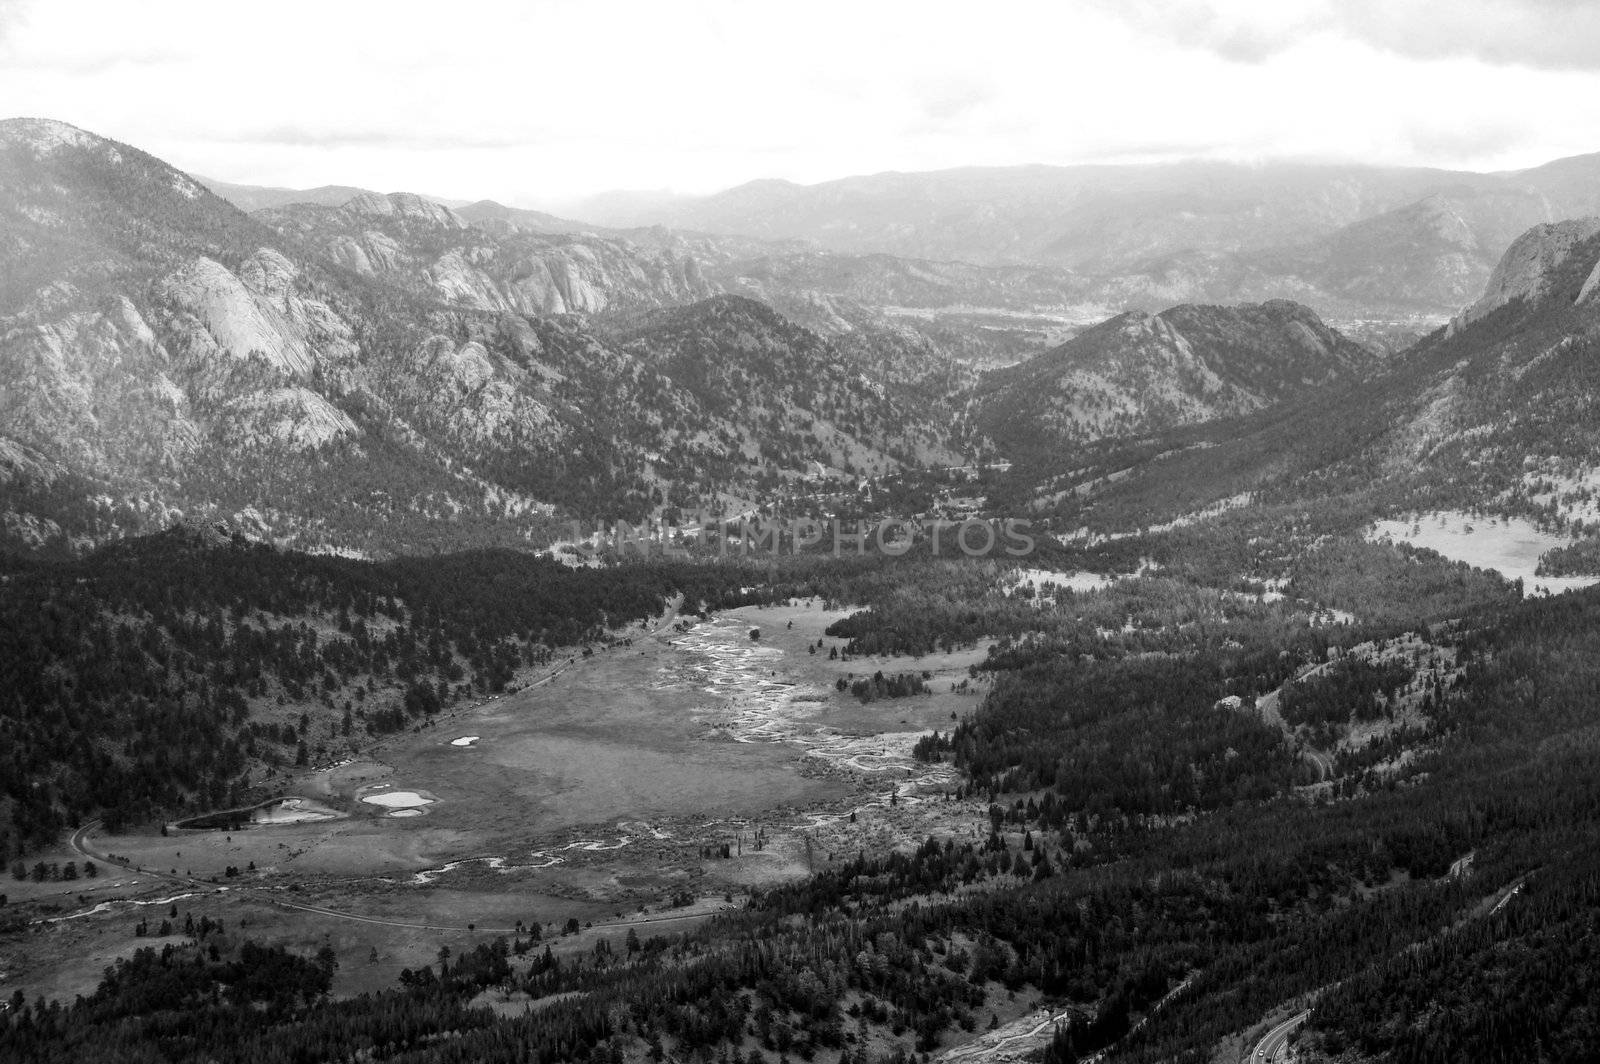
column 601, row 791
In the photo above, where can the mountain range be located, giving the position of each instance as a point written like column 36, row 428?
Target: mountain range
column 383, row 373
column 1298, row 784
column 377, row 375
column 1495, row 413
column 1348, row 240
column 257, row 197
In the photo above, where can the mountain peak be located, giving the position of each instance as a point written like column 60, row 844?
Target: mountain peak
column 767, row 183
column 1139, row 372
column 1525, row 270
column 492, row 212
column 43, row 138
column 45, row 135
column 724, row 315
column 733, row 304
column 406, row 206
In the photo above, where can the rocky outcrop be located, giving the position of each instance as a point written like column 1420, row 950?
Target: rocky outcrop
column 292, row 417
column 350, row 374
column 97, row 391
column 221, row 316
column 257, row 315
column 403, row 207
column 44, row 135
column 1590, row 284
column 495, row 266
column 369, row 253
column 1525, row 270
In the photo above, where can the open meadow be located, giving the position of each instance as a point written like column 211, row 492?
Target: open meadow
column 647, row 783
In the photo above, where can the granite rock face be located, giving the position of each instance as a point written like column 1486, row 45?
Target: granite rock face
column 1526, row 268
column 358, row 376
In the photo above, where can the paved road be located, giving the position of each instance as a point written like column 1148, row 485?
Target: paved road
column 1515, row 889
column 1267, row 709
column 1323, row 762
column 1273, row 1047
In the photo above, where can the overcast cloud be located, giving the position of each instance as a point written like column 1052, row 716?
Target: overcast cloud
column 1544, row 34
column 534, row 102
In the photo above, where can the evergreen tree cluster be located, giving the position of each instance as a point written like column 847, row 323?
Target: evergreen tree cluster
column 176, row 673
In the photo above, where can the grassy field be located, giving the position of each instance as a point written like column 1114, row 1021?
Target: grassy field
column 1510, row 546
column 596, row 796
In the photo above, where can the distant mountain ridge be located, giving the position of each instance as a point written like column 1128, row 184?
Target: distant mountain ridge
column 488, row 213
column 925, row 315
column 249, row 198
column 1338, row 237
column 387, row 373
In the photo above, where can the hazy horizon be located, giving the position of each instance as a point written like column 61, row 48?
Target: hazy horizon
column 546, row 103
column 670, row 194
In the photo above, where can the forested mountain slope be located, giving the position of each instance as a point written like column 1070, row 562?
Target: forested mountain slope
column 182, row 672
column 1495, row 411
column 780, row 389
column 1137, row 374
column 1150, row 935
column 379, row 376
column 432, row 250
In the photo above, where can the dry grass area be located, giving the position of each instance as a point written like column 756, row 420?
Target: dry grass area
column 1510, row 546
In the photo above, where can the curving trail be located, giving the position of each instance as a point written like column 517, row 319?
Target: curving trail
column 993, row 1049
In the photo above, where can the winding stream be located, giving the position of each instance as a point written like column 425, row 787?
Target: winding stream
column 748, row 703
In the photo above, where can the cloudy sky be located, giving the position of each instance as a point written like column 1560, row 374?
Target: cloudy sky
column 536, row 102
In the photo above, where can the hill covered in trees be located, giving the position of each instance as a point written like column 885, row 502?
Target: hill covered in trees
column 1151, row 935
column 182, row 672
